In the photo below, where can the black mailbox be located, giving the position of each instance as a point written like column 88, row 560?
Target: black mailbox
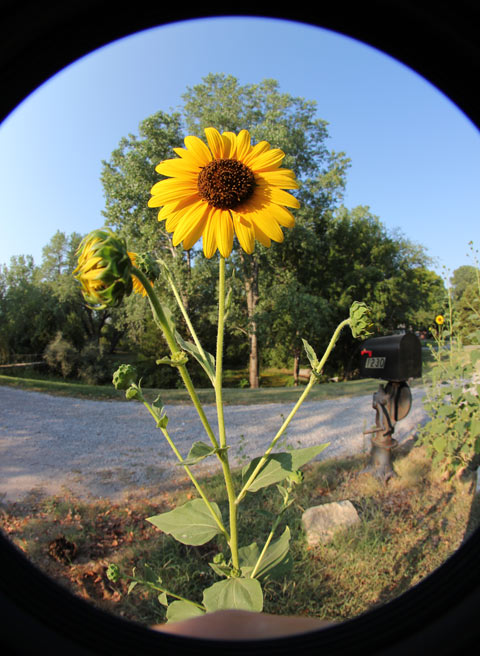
column 393, row 357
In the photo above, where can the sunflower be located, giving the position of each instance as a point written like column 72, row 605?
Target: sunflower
column 228, row 187
column 439, row 320
column 104, row 269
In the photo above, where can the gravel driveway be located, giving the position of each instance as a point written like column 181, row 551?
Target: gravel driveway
column 109, row 448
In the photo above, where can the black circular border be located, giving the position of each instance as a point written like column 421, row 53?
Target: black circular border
column 440, row 41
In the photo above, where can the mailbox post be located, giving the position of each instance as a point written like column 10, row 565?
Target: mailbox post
column 395, row 359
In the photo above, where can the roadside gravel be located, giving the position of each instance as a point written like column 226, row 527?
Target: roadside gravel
column 49, row 444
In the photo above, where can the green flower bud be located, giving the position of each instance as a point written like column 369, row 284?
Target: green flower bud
column 360, row 319
column 147, row 265
column 176, row 360
column 113, row 573
column 134, row 393
column 104, row 269
column 124, row 377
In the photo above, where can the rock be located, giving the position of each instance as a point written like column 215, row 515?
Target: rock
column 322, row 522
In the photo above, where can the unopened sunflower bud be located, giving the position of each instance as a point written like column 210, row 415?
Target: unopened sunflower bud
column 124, row 377
column 147, row 265
column 104, row 269
column 113, row 573
column 360, row 319
column 134, row 392
column 176, row 360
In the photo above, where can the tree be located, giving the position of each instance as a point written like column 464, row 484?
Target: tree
column 465, row 283
column 461, row 279
column 28, row 312
column 128, row 177
column 288, row 123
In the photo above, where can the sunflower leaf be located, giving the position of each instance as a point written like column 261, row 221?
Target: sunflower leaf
column 234, row 593
column 182, row 610
column 191, row 523
column 206, row 360
column 198, row 451
column 279, row 466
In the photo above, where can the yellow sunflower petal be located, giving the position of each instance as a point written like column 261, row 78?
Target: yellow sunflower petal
column 209, row 234
column 225, row 233
column 171, row 189
column 199, row 150
column 283, row 178
column 283, row 216
column 188, row 225
column 229, row 145
column 173, row 220
column 178, row 168
column 257, row 150
column 267, row 224
column 195, row 234
column 244, row 231
column 261, row 236
column 271, row 159
column 244, row 145
column 215, row 142
column 278, row 196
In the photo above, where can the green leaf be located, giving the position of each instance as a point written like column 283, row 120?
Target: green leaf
column 131, row 587
column 275, row 562
column 276, row 557
column 248, row 557
column 440, row 443
column 221, row 570
column 198, row 452
column 206, row 360
column 182, row 610
column 475, row 427
column 162, row 599
column 191, row 523
column 160, row 413
column 280, row 465
column 234, row 593
column 311, row 355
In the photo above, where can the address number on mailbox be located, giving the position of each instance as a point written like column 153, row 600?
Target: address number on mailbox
column 375, row 363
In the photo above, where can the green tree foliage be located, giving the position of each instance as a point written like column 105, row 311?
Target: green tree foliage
column 28, row 311
column 465, row 291
column 462, row 278
column 128, row 177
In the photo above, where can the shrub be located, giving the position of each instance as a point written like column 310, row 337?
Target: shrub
column 452, row 435
column 61, row 356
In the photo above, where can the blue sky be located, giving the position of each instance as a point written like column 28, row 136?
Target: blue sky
column 415, row 155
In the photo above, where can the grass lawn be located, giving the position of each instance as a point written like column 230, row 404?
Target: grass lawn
column 237, row 396
column 407, row 529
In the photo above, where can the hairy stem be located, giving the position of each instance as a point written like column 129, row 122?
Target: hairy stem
column 223, row 455
column 159, row 316
column 190, row 474
column 302, row 398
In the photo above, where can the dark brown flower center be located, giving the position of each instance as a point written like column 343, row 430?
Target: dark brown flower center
column 225, row 183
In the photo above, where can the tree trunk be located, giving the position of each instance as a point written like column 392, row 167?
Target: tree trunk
column 251, row 289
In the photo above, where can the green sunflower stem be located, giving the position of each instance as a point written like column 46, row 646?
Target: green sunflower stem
column 184, row 313
column 160, row 317
column 266, row 545
column 197, row 485
column 311, row 383
column 223, row 456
